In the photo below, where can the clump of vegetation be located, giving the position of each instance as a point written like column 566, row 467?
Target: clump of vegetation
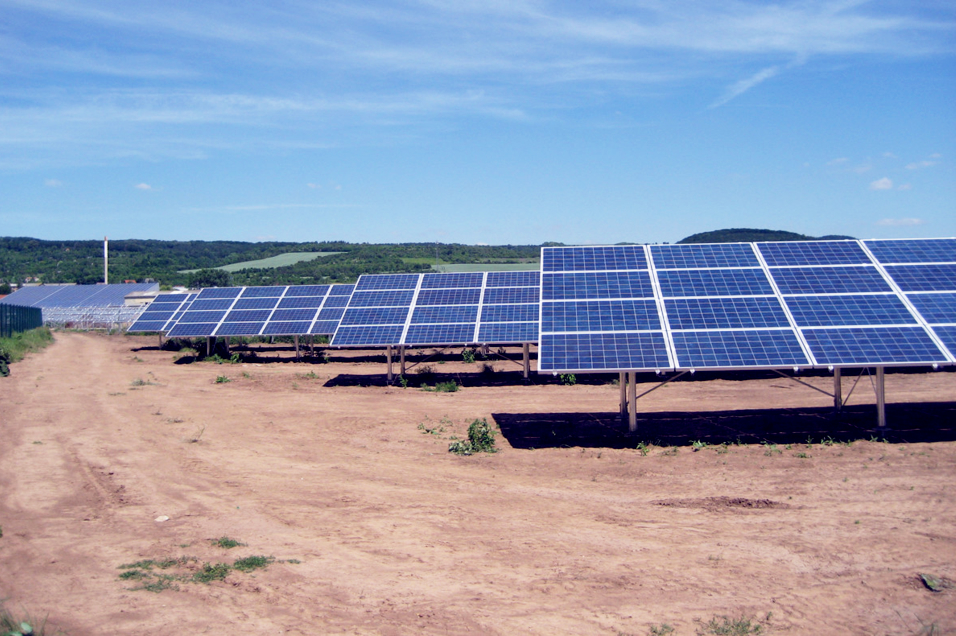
column 17, row 346
column 227, row 543
column 233, row 359
column 210, row 573
column 221, row 379
column 251, row 563
column 468, row 355
column 442, row 387
column 660, row 630
column 23, row 626
column 568, row 379
column 742, row 626
column 481, row 439
column 698, row 445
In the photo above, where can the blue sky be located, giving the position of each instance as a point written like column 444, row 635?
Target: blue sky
column 476, row 122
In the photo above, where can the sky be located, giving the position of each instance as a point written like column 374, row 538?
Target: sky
column 494, row 122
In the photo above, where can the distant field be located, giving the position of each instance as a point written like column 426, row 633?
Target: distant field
column 282, row 260
column 485, row 267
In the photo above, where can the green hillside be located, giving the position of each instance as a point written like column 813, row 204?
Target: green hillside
column 748, row 235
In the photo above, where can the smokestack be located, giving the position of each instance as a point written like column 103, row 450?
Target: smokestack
column 106, row 260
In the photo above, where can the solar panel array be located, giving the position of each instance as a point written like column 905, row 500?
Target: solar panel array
column 76, row 295
column 441, row 309
column 748, row 305
column 248, row 311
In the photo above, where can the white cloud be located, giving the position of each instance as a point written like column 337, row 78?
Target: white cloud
column 882, row 184
column 837, row 161
column 52, row 183
column 900, row 222
column 314, row 186
column 905, row 186
column 862, row 168
column 143, row 186
column 916, row 165
column 889, row 155
column 744, row 85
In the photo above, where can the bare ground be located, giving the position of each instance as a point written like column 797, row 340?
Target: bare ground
column 569, row 529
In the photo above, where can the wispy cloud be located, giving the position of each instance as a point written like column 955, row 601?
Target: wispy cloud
column 143, row 186
column 53, row 183
column 900, row 222
column 882, row 184
column 916, row 165
column 744, row 85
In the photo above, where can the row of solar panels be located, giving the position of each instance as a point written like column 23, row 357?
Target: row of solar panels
column 76, row 295
column 622, row 308
column 748, row 305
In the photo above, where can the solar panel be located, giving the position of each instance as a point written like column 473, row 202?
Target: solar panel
column 790, row 253
column 595, row 285
column 725, row 313
column 219, row 292
column 924, row 277
column 508, row 332
column 738, row 349
column 913, row 250
column 439, row 334
column 829, row 280
column 600, row 315
column 445, row 314
column 947, row 334
column 510, row 313
column 387, row 281
column 935, row 308
column 160, row 312
column 581, row 259
column 581, row 352
column 713, row 282
column 873, row 346
column 701, row 255
column 513, row 279
column 829, row 311
column 361, row 335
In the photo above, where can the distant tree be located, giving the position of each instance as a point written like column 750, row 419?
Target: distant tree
column 5, row 289
column 210, row 278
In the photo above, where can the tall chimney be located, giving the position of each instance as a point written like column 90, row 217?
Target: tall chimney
column 106, row 260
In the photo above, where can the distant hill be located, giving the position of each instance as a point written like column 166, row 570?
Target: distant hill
column 749, row 235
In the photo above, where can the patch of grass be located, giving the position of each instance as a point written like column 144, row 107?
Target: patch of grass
column 468, row 356
column 442, row 387
column 142, row 382
column 17, row 346
column 770, row 449
column 251, row 563
column 227, row 543
column 431, row 430
column 699, row 445
column 641, row 448
column 670, row 452
column 742, row 626
column 801, row 455
column 481, row 439
column 660, row 630
column 26, row 625
column 221, row 379
column 210, row 573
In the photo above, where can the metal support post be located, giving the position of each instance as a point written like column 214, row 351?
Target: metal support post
column 880, row 400
column 226, row 343
column 160, row 341
column 388, row 359
column 312, row 345
column 401, row 356
column 622, row 383
column 296, row 339
column 837, row 389
column 526, row 358
column 209, row 342
column 632, row 401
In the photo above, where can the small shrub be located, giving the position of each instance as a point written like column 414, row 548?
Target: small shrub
column 642, row 449
column 481, row 439
column 742, row 626
column 221, row 379
column 468, row 355
column 227, row 543
column 699, row 445
column 660, row 630
column 210, row 573
column 568, row 379
column 251, row 563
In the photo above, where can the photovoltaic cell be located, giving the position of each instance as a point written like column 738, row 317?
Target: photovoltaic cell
column 580, row 259
column 240, row 328
column 713, row 282
column 924, row 277
column 333, row 313
column 380, row 282
column 600, row 315
column 602, row 351
column 793, row 253
column 458, row 279
column 508, row 332
column 381, row 299
column 309, row 290
column 286, row 315
column 859, row 310
column 873, row 346
column 211, row 305
column 341, row 290
column 509, row 313
column 440, row 334
column 324, row 327
column 263, row 292
column 935, row 308
column 446, row 314
column 913, row 250
column 381, row 335
column 947, row 334
column 741, row 349
column 192, row 329
column 828, row 280
column 510, row 295
column 219, row 292
column 513, row 279
column 725, row 313
column 449, row 297
column 252, row 303
column 299, row 302
column 202, row 316
column 336, row 301
column 697, row 256
column 595, row 285
column 286, row 327
column 375, row 316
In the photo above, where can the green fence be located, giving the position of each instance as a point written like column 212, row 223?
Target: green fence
column 14, row 319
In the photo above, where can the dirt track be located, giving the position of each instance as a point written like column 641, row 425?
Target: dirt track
column 396, row 536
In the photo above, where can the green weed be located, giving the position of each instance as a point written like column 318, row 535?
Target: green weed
column 660, row 630
column 742, row 626
column 468, row 356
column 17, row 346
column 699, row 445
column 670, row 452
column 481, row 439
column 442, row 387
column 568, row 379
column 227, row 543
column 251, row 563
column 642, row 449
column 210, row 573
column 221, row 379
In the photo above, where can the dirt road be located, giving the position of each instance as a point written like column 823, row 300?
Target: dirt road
column 376, row 529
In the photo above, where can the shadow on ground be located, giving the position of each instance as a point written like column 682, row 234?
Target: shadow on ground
column 907, row 423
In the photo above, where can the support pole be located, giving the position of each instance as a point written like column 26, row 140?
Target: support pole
column 401, row 357
column 311, row 345
column 837, row 389
column 526, row 358
column 632, row 401
column 622, row 383
column 388, row 359
column 209, row 342
column 296, row 338
column 160, row 341
column 226, row 342
column 880, row 400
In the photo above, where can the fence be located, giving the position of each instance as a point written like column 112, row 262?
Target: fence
column 15, row 318
column 90, row 317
